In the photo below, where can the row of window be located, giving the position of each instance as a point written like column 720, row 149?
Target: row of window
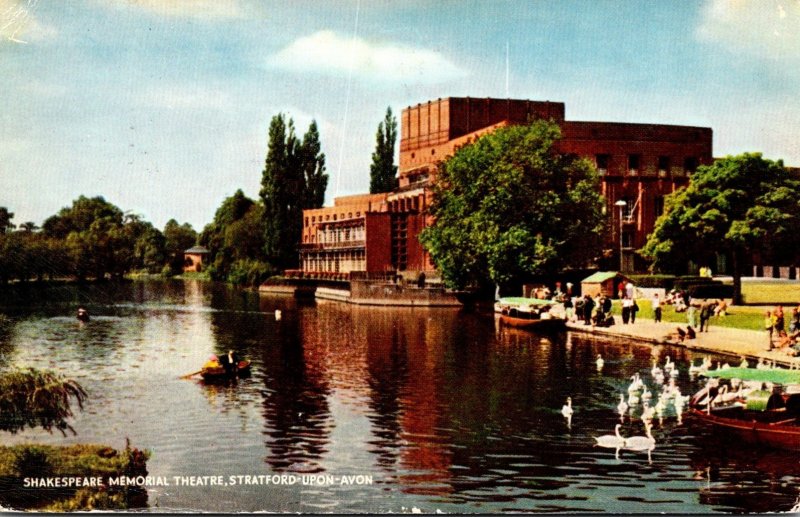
column 630, row 204
column 329, row 217
column 690, row 163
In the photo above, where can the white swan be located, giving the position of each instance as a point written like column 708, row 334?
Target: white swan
column 648, row 412
column 566, row 410
column 744, row 363
column 668, row 365
column 600, row 362
column 641, row 443
column 646, row 395
column 622, row 407
column 611, row 441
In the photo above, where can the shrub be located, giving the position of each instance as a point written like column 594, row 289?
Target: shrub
column 663, row 281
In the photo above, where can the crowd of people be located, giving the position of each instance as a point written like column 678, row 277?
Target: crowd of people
column 776, row 328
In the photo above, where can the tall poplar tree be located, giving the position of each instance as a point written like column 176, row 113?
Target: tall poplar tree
column 282, row 192
column 382, row 172
column 312, row 162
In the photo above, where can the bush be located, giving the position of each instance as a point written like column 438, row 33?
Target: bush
column 167, row 271
column 654, row 281
column 249, row 272
column 711, row 290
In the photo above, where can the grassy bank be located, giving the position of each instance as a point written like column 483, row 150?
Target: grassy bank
column 75, row 461
column 771, row 293
column 740, row 317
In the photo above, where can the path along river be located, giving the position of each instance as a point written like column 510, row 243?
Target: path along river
column 441, row 409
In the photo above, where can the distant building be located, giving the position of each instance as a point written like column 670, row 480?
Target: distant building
column 638, row 163
column 193, row 258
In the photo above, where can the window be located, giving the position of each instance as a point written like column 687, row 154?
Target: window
column 690, row 164
column 627, row 210
column 663, row 165
column 306, row 221
column 602, row 162
column 627, row 240
column 658, row 206
column 634, row 163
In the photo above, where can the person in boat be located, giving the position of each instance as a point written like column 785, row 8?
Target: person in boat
column 230, row 362
column 212, row 363
column 83, row 314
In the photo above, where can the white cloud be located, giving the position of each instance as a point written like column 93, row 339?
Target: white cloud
column 209, row 9
column 331, row 53
column 19, row 25
column 765, row 29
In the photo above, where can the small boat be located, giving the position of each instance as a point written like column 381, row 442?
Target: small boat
column 220, row 373
column 769, row 417
column 529, row 313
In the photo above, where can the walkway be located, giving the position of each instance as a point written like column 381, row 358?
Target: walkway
column 720, row 340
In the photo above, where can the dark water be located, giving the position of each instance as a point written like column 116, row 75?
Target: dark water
column 443, row 409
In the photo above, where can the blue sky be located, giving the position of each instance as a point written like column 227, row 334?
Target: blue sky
column 162, row 106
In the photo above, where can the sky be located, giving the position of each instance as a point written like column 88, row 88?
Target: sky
column 162, row 106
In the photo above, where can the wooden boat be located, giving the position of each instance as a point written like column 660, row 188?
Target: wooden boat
column 769, row 417
column 219, row 373
column 529, row 313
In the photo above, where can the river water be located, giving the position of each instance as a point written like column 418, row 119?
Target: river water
column 374, row 409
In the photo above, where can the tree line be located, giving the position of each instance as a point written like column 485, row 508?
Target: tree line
column 90, row 239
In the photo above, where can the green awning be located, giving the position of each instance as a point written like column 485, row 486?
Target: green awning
column 773, row 375
column 524, row 301
column 600, row 276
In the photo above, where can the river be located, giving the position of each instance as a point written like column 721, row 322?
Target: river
column 367, row 409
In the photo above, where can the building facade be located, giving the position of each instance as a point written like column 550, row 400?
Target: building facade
column 639, row 164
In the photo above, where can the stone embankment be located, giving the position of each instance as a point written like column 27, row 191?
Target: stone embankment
column 720, row 340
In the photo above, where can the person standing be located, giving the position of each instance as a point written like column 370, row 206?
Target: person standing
column 627, row 307
column 634, row 310
column 588, row 307
column 780, row 322
column 656, row 302
column 706, row 310
column 768, row 326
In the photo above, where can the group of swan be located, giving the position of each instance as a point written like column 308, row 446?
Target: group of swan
column 632, row 443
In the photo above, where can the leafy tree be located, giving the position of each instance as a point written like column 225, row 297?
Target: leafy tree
column 80, row 216
column 34, row 398
column 236, row 235
column 28, row 227
column 177, row 239
column 383, row 171
column 282, row 195
column 740, row 205
column 312, row 163
column 5, row 220
column 509, row 206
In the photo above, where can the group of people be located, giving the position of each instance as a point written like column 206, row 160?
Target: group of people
column 775, row 325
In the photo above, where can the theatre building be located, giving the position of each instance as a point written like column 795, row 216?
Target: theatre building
column 377, row 233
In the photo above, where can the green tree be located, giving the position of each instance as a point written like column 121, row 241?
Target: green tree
column 178, row 238
column 282, row 188
column 28, row 227
column 35, row 398
column 5, row 220
column 383, row 171
column 739, row 205
column 510, row 206
column 312, row 163
column 236, row 236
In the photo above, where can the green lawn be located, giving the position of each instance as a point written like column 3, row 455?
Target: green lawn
column 740, row 317
column 771, row 293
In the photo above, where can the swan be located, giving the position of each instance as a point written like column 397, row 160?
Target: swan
column 277, row 314
column 744, row 363
column 611, row 441
column 646, row 395
column 636, row 384
column 566, row 410
column 600, row 362
column 656, row 371
column 660, row 407
column 648, row 412
column 668, row 365
column 641, row 443
column 622, row 407
column 696, row 369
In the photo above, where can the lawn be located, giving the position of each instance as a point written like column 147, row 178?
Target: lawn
column 740, row 317
column 771, row 293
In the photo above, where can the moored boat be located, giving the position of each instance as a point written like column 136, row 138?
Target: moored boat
column 765, row 412
column 220, row 373
column 529, row 313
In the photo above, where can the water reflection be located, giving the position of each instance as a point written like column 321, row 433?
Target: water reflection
column 446, row 409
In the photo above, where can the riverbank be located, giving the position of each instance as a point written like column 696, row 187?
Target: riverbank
column 736, row 343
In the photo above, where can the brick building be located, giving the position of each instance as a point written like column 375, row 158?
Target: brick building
column 638, row 163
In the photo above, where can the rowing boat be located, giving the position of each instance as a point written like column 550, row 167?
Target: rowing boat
column 218, row 372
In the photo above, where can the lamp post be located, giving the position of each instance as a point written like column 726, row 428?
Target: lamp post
column 621, row 204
